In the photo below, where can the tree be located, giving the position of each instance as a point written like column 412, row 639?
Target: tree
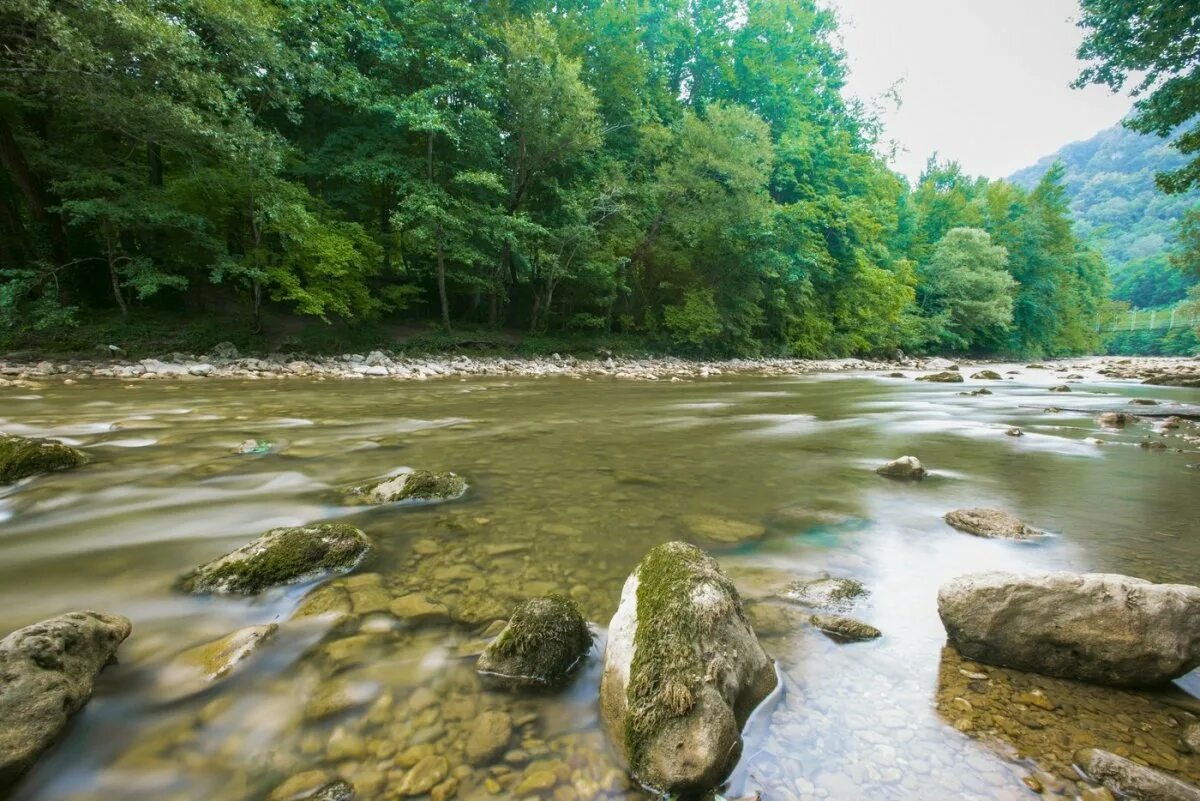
column 966, row 291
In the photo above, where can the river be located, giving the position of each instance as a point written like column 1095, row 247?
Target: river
column 571, row 482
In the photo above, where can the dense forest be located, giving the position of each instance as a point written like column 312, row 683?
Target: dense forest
column 685, row 172
column 1117, row 208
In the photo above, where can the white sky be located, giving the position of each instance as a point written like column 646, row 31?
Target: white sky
column 983, row 82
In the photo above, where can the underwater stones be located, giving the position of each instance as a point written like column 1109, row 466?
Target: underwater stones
column 721, row 530
column 47, row 673
column 945, row 377
column 418, row 609
column 424, row 775
column 987, row 375
column 907, row 468
column 827, row 592
column 683, row 670
column 22, row 457
column 280, row 556
column 489, row 737
column 1095, row 627
column 844, row 629
column 1130, row 780
column 422, row 486
column 214, row 660
column 328, row 599
column 313, row 785
column 544, row 640
column 990, row 523
column 1116, row 419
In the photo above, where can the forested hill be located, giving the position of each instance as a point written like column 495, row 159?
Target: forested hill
column 1116, row 206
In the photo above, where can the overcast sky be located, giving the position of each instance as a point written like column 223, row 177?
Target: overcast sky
column 983, row 82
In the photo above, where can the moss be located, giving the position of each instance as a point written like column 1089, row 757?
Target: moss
column 668, row 668
column 21, row 457
column 827, row 592
column 281, row 556
column 946, row 377
column 419, row 485
column 987, row 375
column 544, row 639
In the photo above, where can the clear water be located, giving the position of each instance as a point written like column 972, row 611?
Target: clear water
column 571, row 482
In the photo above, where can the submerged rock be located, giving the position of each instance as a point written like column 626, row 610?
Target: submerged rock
column 281, row 556
column 489, row 737
column 1095, row 627
column 416, row 485
column 1116, row 419
column 313, row 785
column 47, row 673
column 845, row 629
column 906, row 467
column 987, row 375
column 828, row 592
column 1128, row 779
column 946, row 377
column 21, row 457
column 543, row 642
column 991, row 523
column 683, row 670
column 214, row 660
column 721, row 530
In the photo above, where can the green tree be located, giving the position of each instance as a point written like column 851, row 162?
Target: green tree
column 966, row 291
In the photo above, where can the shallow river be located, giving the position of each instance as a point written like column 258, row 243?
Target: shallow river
column 571, row 482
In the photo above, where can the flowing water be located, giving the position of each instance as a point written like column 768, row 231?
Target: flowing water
column 571, row 482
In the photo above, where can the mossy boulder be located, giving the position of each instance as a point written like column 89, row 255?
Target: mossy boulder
column 416, row 486
column 21, row 457
column 281, row 556
column 545, row 639
column 987, row 375
column 683, row 670
column 944, row 377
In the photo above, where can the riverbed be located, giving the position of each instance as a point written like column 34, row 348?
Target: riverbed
column 571, row 480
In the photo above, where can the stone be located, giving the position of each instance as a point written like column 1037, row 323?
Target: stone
column 416, row 608
column 47, row 673
column 682, row 671
column 828, row 592
column 216, row 659
column 489, row 737
column 946, row 377
column 991, row 523
column 416, row 486
column 721, row 530
column 255, row 447
column 844, row 629
column 280, row 556
column 1190, row 739
column 224, row 350
column 324, row 600
column 987, row 375
column 22, row 457
column 907, row 468
column 1060, row 388
column 1014, row 431
column 1094, row 627
column 313, row 785
column 1128, row 779
column 545, row 640
column 1116, row 419
column 424, row 775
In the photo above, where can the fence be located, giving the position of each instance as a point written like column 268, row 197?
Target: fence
column 1158, row 319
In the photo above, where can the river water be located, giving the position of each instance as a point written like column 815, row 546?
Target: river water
column 571, row 482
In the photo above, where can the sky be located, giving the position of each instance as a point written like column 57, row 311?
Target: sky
column 983, row 82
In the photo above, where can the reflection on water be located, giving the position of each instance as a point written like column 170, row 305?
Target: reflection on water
column 572, row 481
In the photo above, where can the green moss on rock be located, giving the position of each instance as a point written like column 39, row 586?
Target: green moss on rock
column 544, row 640
column 280, row 556
column 21, row 457
column 417, row 486
column 945, row 377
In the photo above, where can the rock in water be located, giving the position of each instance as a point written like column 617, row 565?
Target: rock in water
column 683, row 670
column 21, row 457
column 1128, row 779
column 906, row 467
column 987, row 375
column 544, row 640
column 281, row 556
column 416, row 485
column 844, row 629
column 1096, row 627
column 991, row 523
column 47, row 673
column 214, row 660
column 828, row 592
column 947, row 377
column 1116, row 419
column 1060, row 388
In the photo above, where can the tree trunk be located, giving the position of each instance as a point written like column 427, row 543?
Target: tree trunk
column 441, row 281
column 535, row 306
column 31, row 187
column 116, row 282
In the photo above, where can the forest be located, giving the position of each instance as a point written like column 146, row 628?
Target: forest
column 687, row 174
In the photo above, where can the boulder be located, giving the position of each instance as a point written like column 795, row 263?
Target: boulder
column 1130, row 780
column 946, row 377
column 828, row 592
column 21, row 457
column 1015, row 431
column 1116, row 419
column 991, row 523
column 545, row 639
column 1192, row 381
column 47, row 673
column 844, row 629
column 1095, row 627
column 907, row 468
column 1060, row 388
column 489, row 737
column 225, row 350
column 683, row 670
column 281, row 556
column 987, row 375
column 415, row 485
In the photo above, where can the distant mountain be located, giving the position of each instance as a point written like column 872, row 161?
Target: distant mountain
column 1110, row 181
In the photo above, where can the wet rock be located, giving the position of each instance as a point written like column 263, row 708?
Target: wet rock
column 1128, row 779
column 992, row 523
column 313, row 785
column 1014, row 431
column 325, row 600
column 1190, row 740
column 1143, row 402
column 545, row 639
column 683, row 670
column 1060, row 388
column 424, row 775
column 415, row 486
column 281, row 556
column 489, row 737
column 47, row 673
column 216, row 659
column 1170, row 380
column 1153, row 444
column 721, row 530
column 828, row 592
column 1095, row 627
column 987, row 375
column 22, row 457
column 845, row 629
column 906, row 467
column 253, row 447
column 416, row 608
column 946, row 377
column 1116, row 419
column 975, row 392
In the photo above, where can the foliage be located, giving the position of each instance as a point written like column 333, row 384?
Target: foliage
column 967, row 294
